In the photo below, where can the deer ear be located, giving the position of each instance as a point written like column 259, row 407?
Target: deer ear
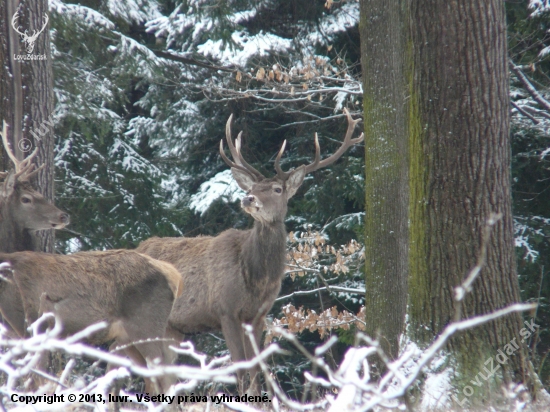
column 295, row 180
column 244, row 180
column 8, row 186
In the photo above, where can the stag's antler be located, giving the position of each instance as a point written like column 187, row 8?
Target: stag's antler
column 24, row 168
column 235, row 150
column 318, row 163
column 241, row 164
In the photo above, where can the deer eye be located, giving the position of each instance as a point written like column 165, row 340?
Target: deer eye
column 26, row 199
column 278, row 190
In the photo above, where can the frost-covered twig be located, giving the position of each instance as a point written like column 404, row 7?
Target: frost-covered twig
column 330, row 289
column 524, row 112
column 351, row 380
column 466, row 286
column 354, row 397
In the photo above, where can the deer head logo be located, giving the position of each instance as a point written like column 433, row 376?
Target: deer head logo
column 28, row 39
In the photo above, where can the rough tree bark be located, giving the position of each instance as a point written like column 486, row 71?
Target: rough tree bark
column 383, row 29
column 26, row 95
column 459, row 175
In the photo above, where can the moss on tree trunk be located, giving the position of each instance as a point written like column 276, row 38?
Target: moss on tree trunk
column 383, row 28
column 459, row 175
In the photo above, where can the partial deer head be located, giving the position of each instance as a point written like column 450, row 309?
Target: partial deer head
column 22, row 207
column 266, row 199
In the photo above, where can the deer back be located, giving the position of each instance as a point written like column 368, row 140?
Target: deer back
column 89, row 287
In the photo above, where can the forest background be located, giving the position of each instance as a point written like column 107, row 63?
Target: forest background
column 143, row 89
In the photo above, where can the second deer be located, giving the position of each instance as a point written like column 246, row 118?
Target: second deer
column 131, row 292
column 233, row 279
column 23, row 209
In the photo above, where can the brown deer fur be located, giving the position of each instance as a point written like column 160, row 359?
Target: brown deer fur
column 234, row 278
column 23, row 209
column 133, row 293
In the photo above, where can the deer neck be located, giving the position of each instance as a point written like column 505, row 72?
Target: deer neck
column 264, row 253
column 13, row 238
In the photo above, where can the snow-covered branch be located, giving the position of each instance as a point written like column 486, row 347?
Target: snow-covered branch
column 530, row 88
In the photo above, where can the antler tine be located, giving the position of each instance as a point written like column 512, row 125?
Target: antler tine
column 228, row 137
column 224, row 157
column 29, row 176
column 23, row 168
column 236, row 152
column 22, row 173
column 229, row 162
column 11, row 155
column 282, row 174
column 348, row 141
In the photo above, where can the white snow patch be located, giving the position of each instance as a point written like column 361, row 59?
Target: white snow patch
column 73, row 245
column 334, row 23
column 261, row 44
column 522, row 234
column 544, row 153
column 539, row 7
column 86, row 15
column 134, row 11
column 222, row 185
column 437, row 389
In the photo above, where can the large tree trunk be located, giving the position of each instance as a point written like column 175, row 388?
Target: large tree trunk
column 26, row 99
column 383, row 29
column 460, row 174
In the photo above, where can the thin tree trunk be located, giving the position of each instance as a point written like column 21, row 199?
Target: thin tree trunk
column 27, row 99
column 383, row 59
column 460, row 174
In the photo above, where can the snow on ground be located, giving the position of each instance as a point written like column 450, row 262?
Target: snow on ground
column 437, row 389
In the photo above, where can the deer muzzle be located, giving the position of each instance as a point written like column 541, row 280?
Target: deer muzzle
column 63, row 220
column 251, row 203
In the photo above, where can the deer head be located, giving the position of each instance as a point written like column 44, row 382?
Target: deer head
column 266, row 199
column 19, row 202
column 29, row 40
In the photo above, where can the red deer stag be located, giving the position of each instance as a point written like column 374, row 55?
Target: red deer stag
column 132, row 292
column 234, row 278
column 23, row 209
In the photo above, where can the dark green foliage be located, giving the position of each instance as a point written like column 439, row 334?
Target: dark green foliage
column 138, row 135
column 528, row 37
column 532, row 220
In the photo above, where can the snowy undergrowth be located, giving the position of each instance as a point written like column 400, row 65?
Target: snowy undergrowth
column 349, row 387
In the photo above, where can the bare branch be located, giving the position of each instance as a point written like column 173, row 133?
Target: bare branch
column 529, row 87
column 525, row 113
column 330, row 289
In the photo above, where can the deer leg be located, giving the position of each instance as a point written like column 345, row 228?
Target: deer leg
column 255, row 385
column 149, row 352
column 234, row 339
column 173, row 337
column 135, row 354
column 13, row 311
